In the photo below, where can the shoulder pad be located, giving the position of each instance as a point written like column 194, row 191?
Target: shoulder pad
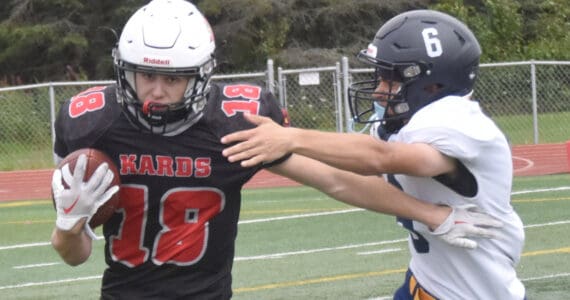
column 86, row 116
column 228, row 101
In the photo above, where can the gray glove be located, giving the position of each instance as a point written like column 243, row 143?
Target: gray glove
column 464, row 223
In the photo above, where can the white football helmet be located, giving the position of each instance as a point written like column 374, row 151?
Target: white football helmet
column 169, row 37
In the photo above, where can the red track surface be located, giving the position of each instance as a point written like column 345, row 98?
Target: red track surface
column 527, row 160
column 36, row 184
column 541, row 159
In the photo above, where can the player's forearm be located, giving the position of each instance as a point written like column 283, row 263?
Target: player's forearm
column 355, row 152
column 73, row 246
column 369, row 192
column 374, row 193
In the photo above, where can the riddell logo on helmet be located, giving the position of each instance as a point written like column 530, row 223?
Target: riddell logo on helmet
column 156, row 61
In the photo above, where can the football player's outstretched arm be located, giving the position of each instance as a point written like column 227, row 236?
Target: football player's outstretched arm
column 354, row 152
column 453, row 225
column 369, row 192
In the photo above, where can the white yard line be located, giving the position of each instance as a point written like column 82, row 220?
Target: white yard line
column 546, row 277
column 300, row 216
column 380, row 251
column 36, row 265
column 30, row 284
column 309, row 251
column 562, row 188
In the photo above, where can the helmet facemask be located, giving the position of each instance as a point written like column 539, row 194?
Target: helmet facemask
column 364, row 97
column 157, row 117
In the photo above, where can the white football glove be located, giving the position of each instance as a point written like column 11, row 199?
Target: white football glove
column 464, row 223
column 81, row 199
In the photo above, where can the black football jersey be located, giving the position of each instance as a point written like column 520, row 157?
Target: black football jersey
column 174, row 233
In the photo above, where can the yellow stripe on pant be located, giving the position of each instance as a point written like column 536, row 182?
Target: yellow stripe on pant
column 417, row 292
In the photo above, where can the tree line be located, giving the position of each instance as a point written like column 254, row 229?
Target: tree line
column 62, row 40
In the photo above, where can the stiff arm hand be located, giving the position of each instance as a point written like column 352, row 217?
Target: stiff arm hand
column 262, row 144
column 464, row 224
column 81, row 199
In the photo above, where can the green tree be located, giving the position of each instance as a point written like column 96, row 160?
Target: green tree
column 53, row 40
column 547, row 29
column 496, row 23
column 511, row 30
column 246, row 37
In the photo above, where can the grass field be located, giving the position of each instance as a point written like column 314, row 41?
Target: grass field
column 295, row 243
column 519, row 128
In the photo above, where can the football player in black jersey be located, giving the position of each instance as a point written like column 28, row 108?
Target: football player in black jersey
column 173, row 235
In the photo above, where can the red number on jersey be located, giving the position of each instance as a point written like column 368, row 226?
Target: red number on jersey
column 90, row 100
column 230, row 108
column 184, row 215
column 126, row 247
column 250, row 92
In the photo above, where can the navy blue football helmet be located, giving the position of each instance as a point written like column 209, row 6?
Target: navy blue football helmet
column 430, row 54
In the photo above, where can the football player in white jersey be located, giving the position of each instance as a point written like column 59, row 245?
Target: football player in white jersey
column 439, row 147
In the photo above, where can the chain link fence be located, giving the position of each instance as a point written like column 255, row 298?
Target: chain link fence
column 528, row 100
column 312, row 97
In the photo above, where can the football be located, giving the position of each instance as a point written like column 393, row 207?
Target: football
column 94, row 159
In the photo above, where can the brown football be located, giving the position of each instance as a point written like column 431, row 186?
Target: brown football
column 94, row 159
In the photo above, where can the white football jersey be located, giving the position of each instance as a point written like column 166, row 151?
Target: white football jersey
column 458, row 128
